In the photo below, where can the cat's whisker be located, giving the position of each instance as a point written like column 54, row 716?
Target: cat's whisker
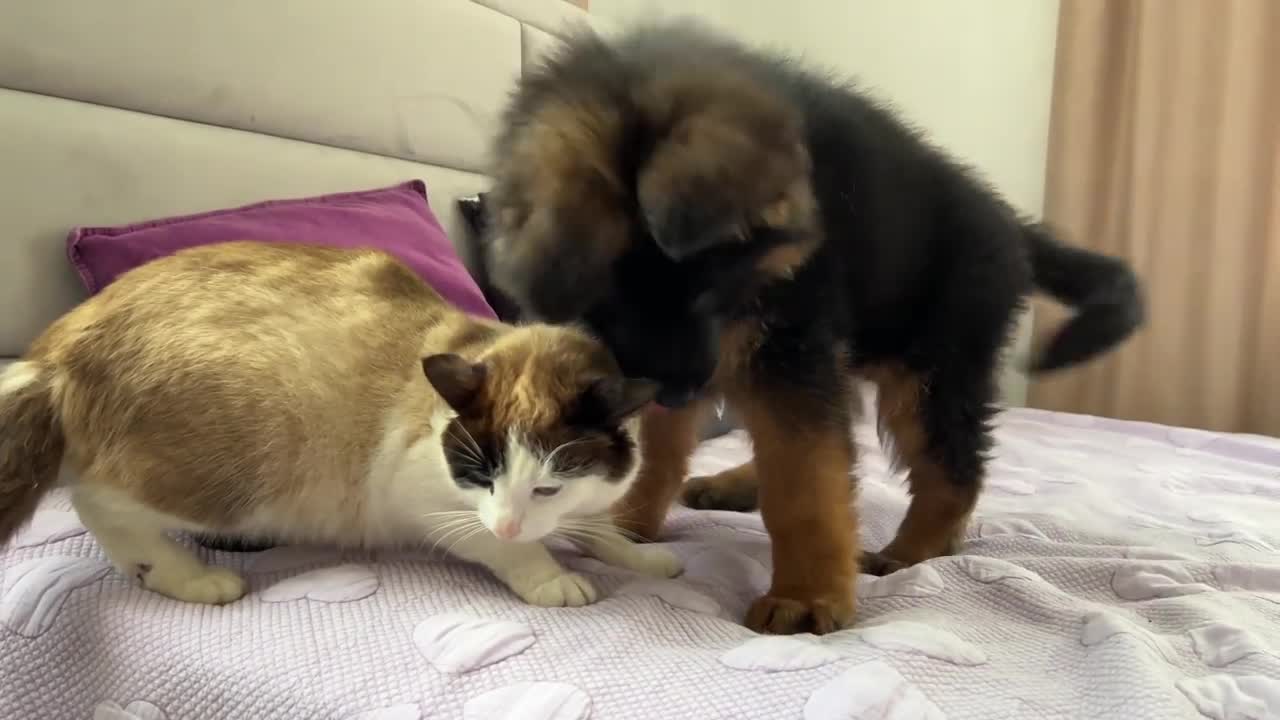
column 587, row 533
column 550, row 457
column 447, row 514
column 475, row 446
column 622, row 507
column 438, row 540
column 571, row 536
column 575, row 540
column 585, row 536
column 441, row 523
column 626, row 509
column 590, row 534
column 455, row 531
column 450, row 515
column 434, row 519
column 464, row 538
column 466, row 445
column 602, row 528
column 457, row 524
column 592, row 520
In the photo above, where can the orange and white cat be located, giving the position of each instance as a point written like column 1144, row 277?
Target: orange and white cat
column 319, row 395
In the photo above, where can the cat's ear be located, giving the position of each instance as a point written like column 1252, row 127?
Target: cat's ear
column 608, row 401
column 457, row 379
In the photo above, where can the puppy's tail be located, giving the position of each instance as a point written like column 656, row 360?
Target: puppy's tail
column 1108, row 298
column 31, row 444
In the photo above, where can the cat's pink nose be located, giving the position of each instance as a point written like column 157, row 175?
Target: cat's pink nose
column 507, row 528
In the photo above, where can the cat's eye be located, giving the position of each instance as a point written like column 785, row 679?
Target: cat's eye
column 547, row 491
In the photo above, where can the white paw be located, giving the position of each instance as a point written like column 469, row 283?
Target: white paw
column 657, row 562
column 213, row 586
column 567, row 590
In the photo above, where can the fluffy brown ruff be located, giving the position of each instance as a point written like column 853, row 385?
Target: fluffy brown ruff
column 164, row 385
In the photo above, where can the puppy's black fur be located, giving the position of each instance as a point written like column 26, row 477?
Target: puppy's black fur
column 679, row 192
column 917, row 251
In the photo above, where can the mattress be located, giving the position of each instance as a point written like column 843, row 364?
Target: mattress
column 1112, row 570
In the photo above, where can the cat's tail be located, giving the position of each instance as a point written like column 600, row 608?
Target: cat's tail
column 1107, row 295
column 31, row 444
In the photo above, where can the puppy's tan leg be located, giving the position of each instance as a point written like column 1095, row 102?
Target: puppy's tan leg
column 805, row 491
column 941, row 501
column 734, row 489
column 667, row 439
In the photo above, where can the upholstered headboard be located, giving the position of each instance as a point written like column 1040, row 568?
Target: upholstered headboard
column 114, row 112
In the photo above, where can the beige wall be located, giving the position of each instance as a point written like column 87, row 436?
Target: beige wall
column 975, row 74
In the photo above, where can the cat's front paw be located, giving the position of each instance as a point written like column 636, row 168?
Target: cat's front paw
column 657, row 562
column 213, row 586
column 566, row 590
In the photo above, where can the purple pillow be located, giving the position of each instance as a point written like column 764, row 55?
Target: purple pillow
column 397, row 220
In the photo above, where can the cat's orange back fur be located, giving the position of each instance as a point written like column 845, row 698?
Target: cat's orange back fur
column 273, row 384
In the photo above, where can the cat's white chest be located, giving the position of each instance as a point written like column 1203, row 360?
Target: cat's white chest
column 406, row 485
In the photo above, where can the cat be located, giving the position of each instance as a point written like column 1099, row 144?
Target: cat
column 320, row 395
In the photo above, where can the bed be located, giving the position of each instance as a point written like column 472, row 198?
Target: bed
column 1112, row 570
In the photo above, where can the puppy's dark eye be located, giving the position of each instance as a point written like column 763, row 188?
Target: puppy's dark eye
column 546, row 491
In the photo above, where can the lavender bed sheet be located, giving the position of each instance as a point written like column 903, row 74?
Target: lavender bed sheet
column 1112, row 570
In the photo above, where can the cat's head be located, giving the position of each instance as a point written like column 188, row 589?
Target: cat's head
column 545, row 432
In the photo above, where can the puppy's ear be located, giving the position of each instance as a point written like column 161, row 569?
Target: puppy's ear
column 557, row 263
column 611, row 400
column 686, row 210
column 458, row 381
column 686, row 224
column 560, row 203
column 713, row 183
column 726, row 151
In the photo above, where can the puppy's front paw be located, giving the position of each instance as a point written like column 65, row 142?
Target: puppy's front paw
column 820, row 615
column 566, row 590
column 657, row 562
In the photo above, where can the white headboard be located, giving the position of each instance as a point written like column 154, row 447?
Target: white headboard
column 120, row 111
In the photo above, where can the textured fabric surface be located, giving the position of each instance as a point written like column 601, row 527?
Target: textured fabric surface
column 312, row 99
column 1112, row 571
column 422, row 81
column 397, row 220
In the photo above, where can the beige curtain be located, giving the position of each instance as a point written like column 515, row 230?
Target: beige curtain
column 1165, row 150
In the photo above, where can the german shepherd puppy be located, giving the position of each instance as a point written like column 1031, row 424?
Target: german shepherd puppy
column 732, row 223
